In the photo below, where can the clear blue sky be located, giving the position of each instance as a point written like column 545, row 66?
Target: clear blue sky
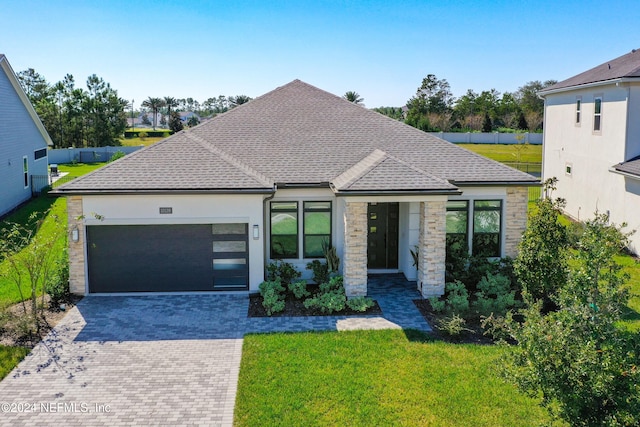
column 380, row 49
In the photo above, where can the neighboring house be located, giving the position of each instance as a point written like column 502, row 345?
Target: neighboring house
column 207, row 208
column 23, row 142
column 592, row 141
column 186, row 115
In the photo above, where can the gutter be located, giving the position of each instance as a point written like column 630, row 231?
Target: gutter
column 625, row 174
column 617, row 81
column 455, row 192
column 59, row 193
column 498, row 183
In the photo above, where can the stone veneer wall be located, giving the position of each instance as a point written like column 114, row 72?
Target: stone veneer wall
column 432, row 248
column 515, row 218
column 355, row 249
column 76, row 249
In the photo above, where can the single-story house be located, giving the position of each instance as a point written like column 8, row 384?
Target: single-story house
column 209, row 207
column 23, row 143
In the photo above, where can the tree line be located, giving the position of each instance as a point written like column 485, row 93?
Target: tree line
column 434, row 108
column 96, row 116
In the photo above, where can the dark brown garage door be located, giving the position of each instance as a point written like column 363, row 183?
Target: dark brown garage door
column 167, row 258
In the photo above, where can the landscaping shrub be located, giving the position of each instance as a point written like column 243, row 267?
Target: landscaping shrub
column 57, row 286
column 336, row 283
column 320, row 271
column 360, row 304
column 457, row 300
column 299, row 289
column 327, row 302
column 437, row 305
column 117, row 155
column 495, row 295
column 283, row 271
column 272, row 296
column 453, row 326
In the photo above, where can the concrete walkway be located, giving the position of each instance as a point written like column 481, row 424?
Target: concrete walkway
column 161, row 360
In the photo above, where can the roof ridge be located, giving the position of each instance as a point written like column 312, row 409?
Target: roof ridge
column 248, row 170
column 417, row 169
column 359, row 169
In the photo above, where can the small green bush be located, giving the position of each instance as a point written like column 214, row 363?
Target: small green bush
column 117, row 155
column 283, row 271
column 360, row 304
column 57, row 287
column 336, row 283
column 327, row 302
column 272, row 301
column 299, row 289
column 320, row 271
column 453, row 326
column 457, row 297
column 437, row 305
column 495, row 295
column 143, row 135
column 274, row 285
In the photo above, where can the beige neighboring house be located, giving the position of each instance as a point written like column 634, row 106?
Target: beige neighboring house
column 209, row 207
column 592, row 141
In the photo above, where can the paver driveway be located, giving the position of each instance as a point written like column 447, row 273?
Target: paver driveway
column 162, row 360
column 146, row 360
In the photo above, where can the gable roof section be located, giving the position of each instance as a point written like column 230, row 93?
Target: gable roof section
column 631, row 167
column 624, row 67
column 6, row 67
column 300, row 135
column 380, row 172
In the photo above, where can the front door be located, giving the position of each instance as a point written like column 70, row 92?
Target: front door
column 382, row 236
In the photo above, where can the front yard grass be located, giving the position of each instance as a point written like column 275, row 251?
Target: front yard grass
column 389, row 377
column 79, row 169
column 10, row 357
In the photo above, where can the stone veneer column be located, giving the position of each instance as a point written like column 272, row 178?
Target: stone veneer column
column 355, row 249
column 432, row 248
column 515, row 218
column 77, row 278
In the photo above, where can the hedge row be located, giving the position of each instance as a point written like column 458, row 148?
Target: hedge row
column 150, row 133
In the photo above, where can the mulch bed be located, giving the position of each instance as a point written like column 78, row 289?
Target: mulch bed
column 475, row 336
column 10, row 332
column 295, row 307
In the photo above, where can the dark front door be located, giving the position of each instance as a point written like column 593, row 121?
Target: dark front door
column 382, row 239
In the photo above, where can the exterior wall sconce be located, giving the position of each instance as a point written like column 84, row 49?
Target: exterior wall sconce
column 75, row 235
column 256, row 232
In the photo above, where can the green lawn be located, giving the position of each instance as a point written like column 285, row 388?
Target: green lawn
column 131, row 142
column 507, row 152
column 371, row 378
column 10, row 357
column 79, row 169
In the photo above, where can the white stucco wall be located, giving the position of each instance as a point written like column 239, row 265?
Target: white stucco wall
column 187, row 209
column 591, row 186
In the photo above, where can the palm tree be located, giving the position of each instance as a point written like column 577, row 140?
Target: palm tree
column 154, row 104
column 170, row 102
column 238, row 100
column 352, row 96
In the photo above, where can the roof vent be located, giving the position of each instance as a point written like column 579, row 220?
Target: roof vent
column 633, row 50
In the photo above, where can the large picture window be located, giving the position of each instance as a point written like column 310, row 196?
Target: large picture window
column 284, row 230
column 317, row 228
column 487, row 218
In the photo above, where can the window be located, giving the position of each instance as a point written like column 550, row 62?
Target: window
column 39, row 154
column 317, row 228
column 597, row 114
column 25, row 170
column 284, row 230
column 567, row 169
column 486, row 228
column 578, row 105
column 457, row 226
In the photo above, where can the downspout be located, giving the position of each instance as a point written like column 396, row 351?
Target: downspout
column 264, row 228
column 544, row 136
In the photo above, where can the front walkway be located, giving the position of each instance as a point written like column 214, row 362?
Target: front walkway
column 161, row 360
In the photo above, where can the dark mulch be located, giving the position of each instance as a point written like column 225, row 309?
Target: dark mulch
column 475, row 336
column 294, row 307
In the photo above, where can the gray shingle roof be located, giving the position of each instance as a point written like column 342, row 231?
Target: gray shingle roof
column 299, row 134
column 631, row 167
column 625, row 66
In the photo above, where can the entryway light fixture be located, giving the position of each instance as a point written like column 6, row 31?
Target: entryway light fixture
column 256, row 232
column 75, row 235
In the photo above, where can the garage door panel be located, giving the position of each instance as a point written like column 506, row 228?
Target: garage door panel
column 158, row 258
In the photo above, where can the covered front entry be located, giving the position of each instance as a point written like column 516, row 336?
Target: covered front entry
column 167, row 258
column 382, row 236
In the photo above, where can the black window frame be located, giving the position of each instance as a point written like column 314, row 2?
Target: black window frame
column 272, row 253
column 578, row 110
column 474, row 241
column 305, row 210
column 464, row 237
column 39, row 154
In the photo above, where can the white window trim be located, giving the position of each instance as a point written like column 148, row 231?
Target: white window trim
column 593, row 129
column 25, row 171
column 568, row 169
